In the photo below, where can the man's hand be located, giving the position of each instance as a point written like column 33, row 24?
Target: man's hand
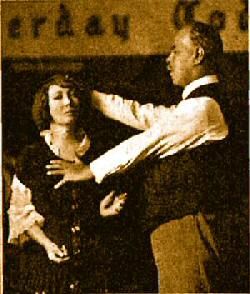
column 71, row 172
column 111, row 205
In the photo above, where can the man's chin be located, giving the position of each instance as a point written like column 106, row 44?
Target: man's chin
column 174, row 81
column 173, row 78
column 177, row 82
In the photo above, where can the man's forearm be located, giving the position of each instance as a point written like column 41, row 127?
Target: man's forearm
column 129, row 112
column 126, row 154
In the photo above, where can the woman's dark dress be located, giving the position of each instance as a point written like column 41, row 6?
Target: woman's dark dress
column 107, row 254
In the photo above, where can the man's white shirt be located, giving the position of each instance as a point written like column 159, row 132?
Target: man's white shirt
column 166, row 130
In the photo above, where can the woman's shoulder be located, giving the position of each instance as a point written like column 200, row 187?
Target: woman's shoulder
column 31, row 157
column 32, row 150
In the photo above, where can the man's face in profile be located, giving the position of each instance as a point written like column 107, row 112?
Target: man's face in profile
column 181, row 59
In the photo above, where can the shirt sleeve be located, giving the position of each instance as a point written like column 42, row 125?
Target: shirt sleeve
column 192, row 123
column 22, row 213
column 129, row 112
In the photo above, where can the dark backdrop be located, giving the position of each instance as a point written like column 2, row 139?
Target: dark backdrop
column 144, row 78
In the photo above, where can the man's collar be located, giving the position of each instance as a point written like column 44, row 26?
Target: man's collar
column 206, row 80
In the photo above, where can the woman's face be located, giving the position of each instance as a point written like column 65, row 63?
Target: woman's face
column 64, row 104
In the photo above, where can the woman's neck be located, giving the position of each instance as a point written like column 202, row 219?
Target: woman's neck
column 67, row 141
column 62, row 132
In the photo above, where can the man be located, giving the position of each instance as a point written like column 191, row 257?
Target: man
column 179, row 191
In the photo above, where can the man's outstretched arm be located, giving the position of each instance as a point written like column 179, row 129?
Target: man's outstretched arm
column 130, row 112
column 194, row 122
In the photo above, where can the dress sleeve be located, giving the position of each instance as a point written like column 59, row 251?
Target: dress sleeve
column 22, row 213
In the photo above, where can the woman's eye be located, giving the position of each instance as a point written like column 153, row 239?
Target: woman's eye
column 57, row 97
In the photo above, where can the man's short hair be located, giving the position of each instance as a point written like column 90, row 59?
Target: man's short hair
column 207, row 37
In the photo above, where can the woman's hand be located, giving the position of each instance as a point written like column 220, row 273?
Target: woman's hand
column 55, row 253
column 73, row 172
column 112, row 205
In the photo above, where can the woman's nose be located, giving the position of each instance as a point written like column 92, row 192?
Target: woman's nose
column 66, row 99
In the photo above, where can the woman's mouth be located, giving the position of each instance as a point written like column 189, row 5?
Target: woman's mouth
column 71, row 111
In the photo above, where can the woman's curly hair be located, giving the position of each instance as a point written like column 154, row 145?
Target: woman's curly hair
column 40, row 108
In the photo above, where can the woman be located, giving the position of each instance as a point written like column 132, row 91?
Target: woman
column 67, row 245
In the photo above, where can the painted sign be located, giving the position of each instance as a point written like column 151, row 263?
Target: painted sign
column 124, row 27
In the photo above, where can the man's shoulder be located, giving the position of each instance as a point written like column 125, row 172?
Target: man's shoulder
column 198, row 104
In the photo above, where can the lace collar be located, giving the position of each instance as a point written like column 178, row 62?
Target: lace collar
column 80, row 150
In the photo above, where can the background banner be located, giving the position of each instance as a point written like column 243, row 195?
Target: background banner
column 92, row 28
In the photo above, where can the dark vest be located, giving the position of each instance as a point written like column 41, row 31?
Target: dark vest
column 189, row 182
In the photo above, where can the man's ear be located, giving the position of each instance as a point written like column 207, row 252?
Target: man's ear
column 199, row 55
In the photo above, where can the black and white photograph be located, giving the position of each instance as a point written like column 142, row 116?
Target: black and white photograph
column 125, row 158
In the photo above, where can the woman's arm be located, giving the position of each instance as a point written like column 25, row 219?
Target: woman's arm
column 22, row 213
column 55, row 253
column 25, row 222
